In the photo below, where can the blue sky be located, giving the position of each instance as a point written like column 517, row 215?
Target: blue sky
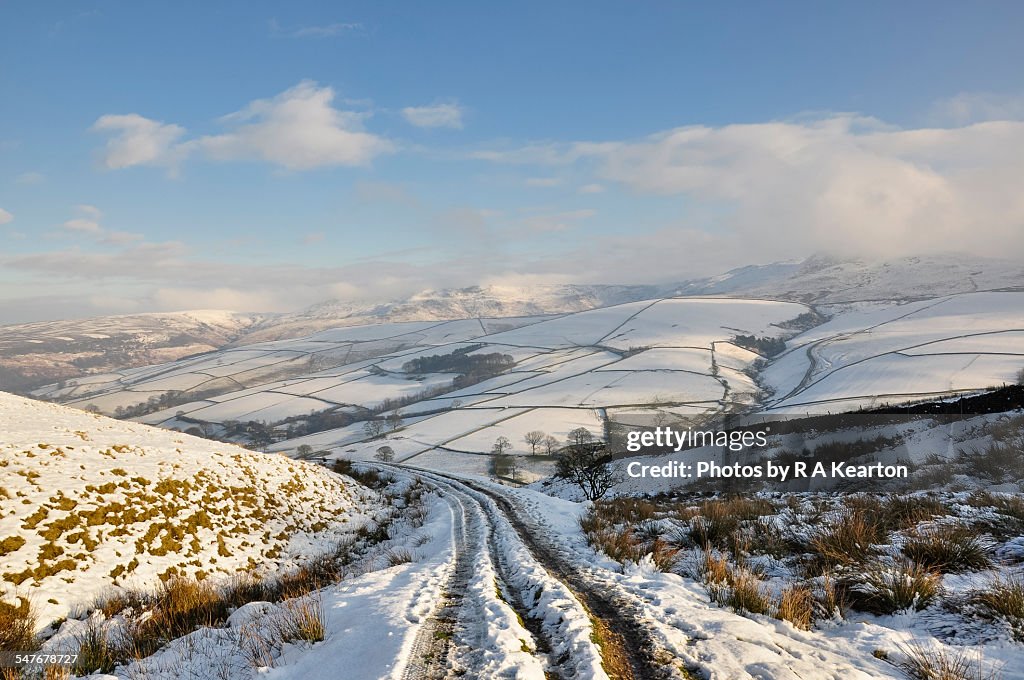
column 267, row 155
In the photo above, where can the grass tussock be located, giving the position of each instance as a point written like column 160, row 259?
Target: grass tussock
column 849, row 539
column 890, row 588
column 948, row 549
column 96, row 651
column 924, row 663
column 623, row 544
column 898, row 512
column 17, row 626
column 797, row 605
column 302, row 619
column 716, row 522
column 397, row 557
column 1004, row 599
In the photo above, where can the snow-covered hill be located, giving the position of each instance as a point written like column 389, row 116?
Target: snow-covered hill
column 443, row 305
column 37, row 353
column 87, row 502
column 823, row 279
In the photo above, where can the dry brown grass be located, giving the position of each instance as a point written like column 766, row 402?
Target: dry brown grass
column 17, row 626
column 1004, row 598
column 890, row 588
column 848, row 539
column 301, row 619
column 923, row 663
column 796, row 605
column 949, row 549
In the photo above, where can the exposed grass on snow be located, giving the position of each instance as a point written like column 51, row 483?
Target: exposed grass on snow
column 849, row 538
column 923, row 663
column 301, row 619
column 1004, row 598
column 885, row 588
column 17, row 626
column 181, row 604
column 949, row 549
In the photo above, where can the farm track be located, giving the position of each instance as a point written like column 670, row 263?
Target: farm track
column 627, row 644
column 429, row 656
column 445, row 645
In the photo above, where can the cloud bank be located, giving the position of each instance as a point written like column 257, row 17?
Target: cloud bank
column 299, row 129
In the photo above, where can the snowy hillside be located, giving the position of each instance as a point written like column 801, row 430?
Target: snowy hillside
column 878, row 353
column 46, row 351
column 89, row 502
column 824, row 279
column 461, row 303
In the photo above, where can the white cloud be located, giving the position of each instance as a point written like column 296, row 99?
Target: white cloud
column 839, row 183
column 591, row 189
column 87, row 223
column 974, row 107
column 322, row 31
column 139, row 141
column 298, row 129
column 217, row 298
column 439, row 114
column 5, row 217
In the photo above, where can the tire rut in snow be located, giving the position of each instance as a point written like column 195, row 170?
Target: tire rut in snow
column 627, row 645
column 429, row 656
column 542, row 640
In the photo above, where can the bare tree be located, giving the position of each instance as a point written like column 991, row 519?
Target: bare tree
column 304, row 451
column 385, row 454
column 550, row 444
column 374, row 428
column 501, row 445
column 581, row 436
column 588, row 466
column 534, row 438
column 395, row 420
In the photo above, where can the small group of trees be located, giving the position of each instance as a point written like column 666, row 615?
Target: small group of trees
column 504, row 465
column 583, row 460
column 159, row 402
column 376, row 427
column 539, row 440
column 766, row 347
column 460, row 361
column 471, row 368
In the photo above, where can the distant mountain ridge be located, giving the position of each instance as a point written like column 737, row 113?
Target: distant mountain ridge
column 42, row 352
column 46, row 351
column 459, row 303
column 823, row 279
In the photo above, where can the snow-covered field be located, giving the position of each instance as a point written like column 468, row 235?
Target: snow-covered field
column 887, row 352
